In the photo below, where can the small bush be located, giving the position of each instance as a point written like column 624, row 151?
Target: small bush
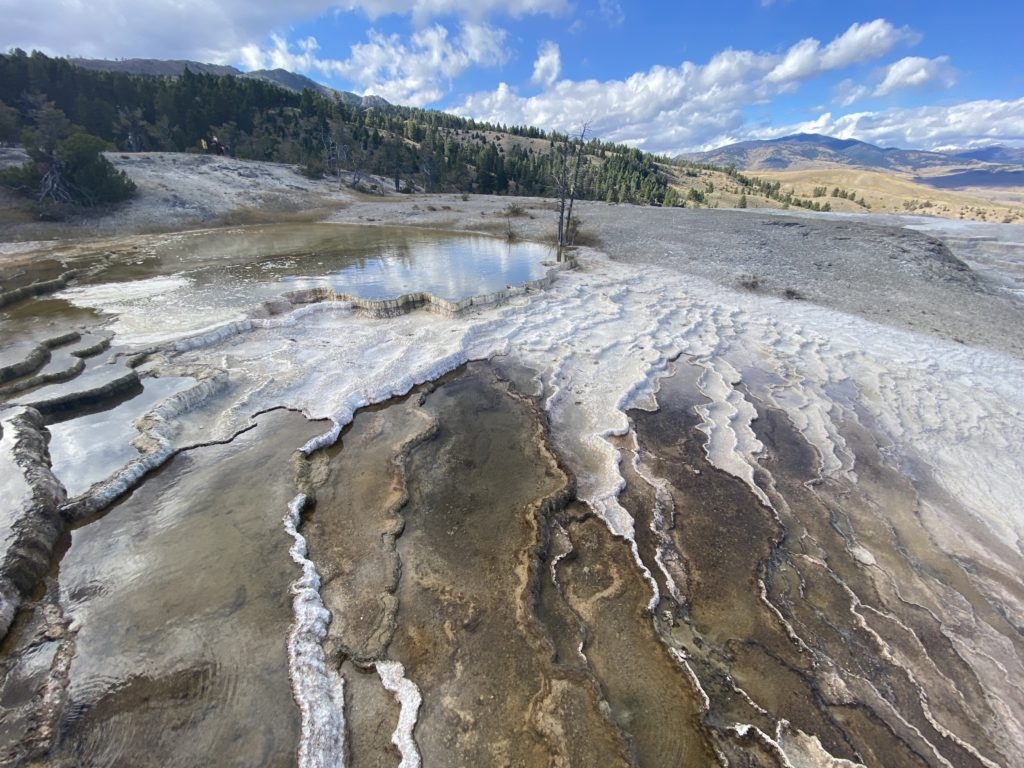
column 91, row 174
column 76, row 173
column 572, row 229
column 314, row 167
column 751, row 282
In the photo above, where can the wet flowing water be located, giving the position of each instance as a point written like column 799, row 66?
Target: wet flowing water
column 192, row 565
column 619, row 521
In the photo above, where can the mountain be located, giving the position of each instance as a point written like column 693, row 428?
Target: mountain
column 994, row 154
column 805, row 151
column 299, row 83
column 176, row 67
column 154, row 67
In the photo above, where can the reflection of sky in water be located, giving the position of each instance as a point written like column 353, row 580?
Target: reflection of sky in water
column 90, row 448
column 451, row 269
column 200, row 283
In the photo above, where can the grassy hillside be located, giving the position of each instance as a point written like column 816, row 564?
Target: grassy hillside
column 852, row 175
column 893, row 193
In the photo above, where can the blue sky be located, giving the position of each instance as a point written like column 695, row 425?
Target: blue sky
column 666, row 77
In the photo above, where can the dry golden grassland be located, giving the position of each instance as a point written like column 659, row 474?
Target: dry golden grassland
column 892, row 193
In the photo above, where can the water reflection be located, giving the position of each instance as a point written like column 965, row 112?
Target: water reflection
column 90, row 448
column 451, row 268
column 186, row 284
column 196, row 565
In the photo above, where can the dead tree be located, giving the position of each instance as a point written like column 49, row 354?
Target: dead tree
column 51, row 128
column 567, row 181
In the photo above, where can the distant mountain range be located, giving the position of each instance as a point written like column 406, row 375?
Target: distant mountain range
column 176, row 67
column 988, row 166
column 995, row 154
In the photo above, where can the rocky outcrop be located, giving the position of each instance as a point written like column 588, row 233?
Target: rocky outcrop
column 30, row 522
column 38, row 288
column 94, row 387
column 30, row 364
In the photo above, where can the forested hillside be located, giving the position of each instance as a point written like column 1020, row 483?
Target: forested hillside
column 254, row 119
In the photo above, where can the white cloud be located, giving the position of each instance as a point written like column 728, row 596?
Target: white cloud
column 863, row 42
column 908, row 72
column 669, row 109
column 915, row 72
column 413, row 72
column 548, row 64
column 859, row 43
column 848, row 92
column 212, row 32
column 279, row 56
column 801, row 61
column 662, row 109
column 930, row 127
column 674, row 109
column 473, row 9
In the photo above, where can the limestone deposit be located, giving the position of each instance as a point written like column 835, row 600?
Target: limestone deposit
column 723, row 487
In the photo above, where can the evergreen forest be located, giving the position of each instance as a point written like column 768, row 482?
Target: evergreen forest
column 63, row 115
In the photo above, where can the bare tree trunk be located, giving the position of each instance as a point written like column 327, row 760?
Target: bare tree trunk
column 54, row 184
column 574, row 187
column 343, row 150
column 563, row 191
column 567, row 183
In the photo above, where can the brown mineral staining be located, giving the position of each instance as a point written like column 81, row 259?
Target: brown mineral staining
column 351, row 533
column 371, row 714
column 831, row 646
column 478, row 493
column 461, row 474
column 648, row 695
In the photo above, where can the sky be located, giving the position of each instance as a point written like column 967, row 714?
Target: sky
column 666, row 77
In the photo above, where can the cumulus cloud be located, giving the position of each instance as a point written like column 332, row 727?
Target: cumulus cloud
column 548, row 64
column 280, row 56
column 859, row 43
column 413, row 72
column 909, row 72
column 915, row 72
column 661, row 109
column 969, row 123
column 212, row 32
column 674, row 109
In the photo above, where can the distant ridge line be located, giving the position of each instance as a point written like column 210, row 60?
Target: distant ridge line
column 807, row 151
column 176, row 68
